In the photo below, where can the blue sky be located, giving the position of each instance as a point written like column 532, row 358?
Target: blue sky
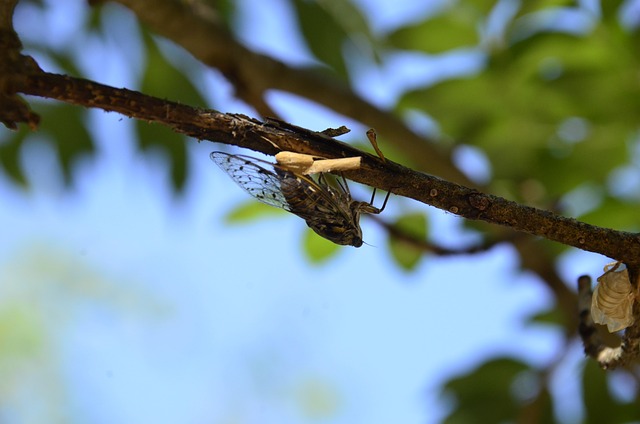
column 157, row 311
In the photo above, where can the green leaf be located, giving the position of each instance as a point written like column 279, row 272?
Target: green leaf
column 610, row 9
column 407, row 255
column 515, row 108
column 10, row 156
column 318, row 249
column 553, row 317
column 69, row 135
column 450, row 30
column 251, row 210
column 162, row 79
column 485, row 394
column 543, row 5
column 480, row 8
column 600, row 406
column 615, row 213
column 173, row 146
column 324, row 35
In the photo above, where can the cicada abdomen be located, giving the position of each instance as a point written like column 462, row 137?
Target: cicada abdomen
column 613, row 298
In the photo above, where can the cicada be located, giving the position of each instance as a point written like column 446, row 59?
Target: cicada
column 613, row 298
column 327, row 209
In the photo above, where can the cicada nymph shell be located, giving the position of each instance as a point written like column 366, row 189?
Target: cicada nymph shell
column 613, row 298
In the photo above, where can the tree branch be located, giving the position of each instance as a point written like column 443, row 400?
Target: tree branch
column 199, row 32
column 272, row 136
column 13, row 109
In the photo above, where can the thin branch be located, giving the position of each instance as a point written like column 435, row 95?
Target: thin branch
column 272, row 136
column 429, row 247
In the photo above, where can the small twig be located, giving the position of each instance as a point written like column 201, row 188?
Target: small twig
column 373, row 139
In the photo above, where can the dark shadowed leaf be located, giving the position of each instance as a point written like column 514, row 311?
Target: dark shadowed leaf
column 171, row 145
column 600, row 405
column 162, row 78
column 324, row 35
column 485, row 394
column 610, row 9
column 553, row 317
column 69, row 135
column 10, row 146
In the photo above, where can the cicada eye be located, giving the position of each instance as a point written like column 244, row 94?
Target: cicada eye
column 613, row 298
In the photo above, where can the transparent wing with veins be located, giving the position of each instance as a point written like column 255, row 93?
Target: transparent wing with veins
column 255, row 176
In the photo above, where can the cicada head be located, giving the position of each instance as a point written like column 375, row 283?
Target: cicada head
column 613, row 298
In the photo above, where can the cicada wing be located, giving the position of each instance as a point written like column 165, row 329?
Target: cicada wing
column 328, row 210
column 255, row 176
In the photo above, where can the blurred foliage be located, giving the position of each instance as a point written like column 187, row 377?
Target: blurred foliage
column 334, row 31
column 405, row 253
column 162, row 79
column 599, row 403
column 44, row 292
column 490, row 393
column 554, row 108
column 250, row 211
column 67, row 133
column 318, row 249
column 318, row 399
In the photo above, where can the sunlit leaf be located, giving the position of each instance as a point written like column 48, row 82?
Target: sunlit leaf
column 527, row 7
column 405, row 253
column 444, row 32
column 250, row 211
column 318, row 399
column 318, row 249
column 518, row 105
column 615, row 213
column 21, row 334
